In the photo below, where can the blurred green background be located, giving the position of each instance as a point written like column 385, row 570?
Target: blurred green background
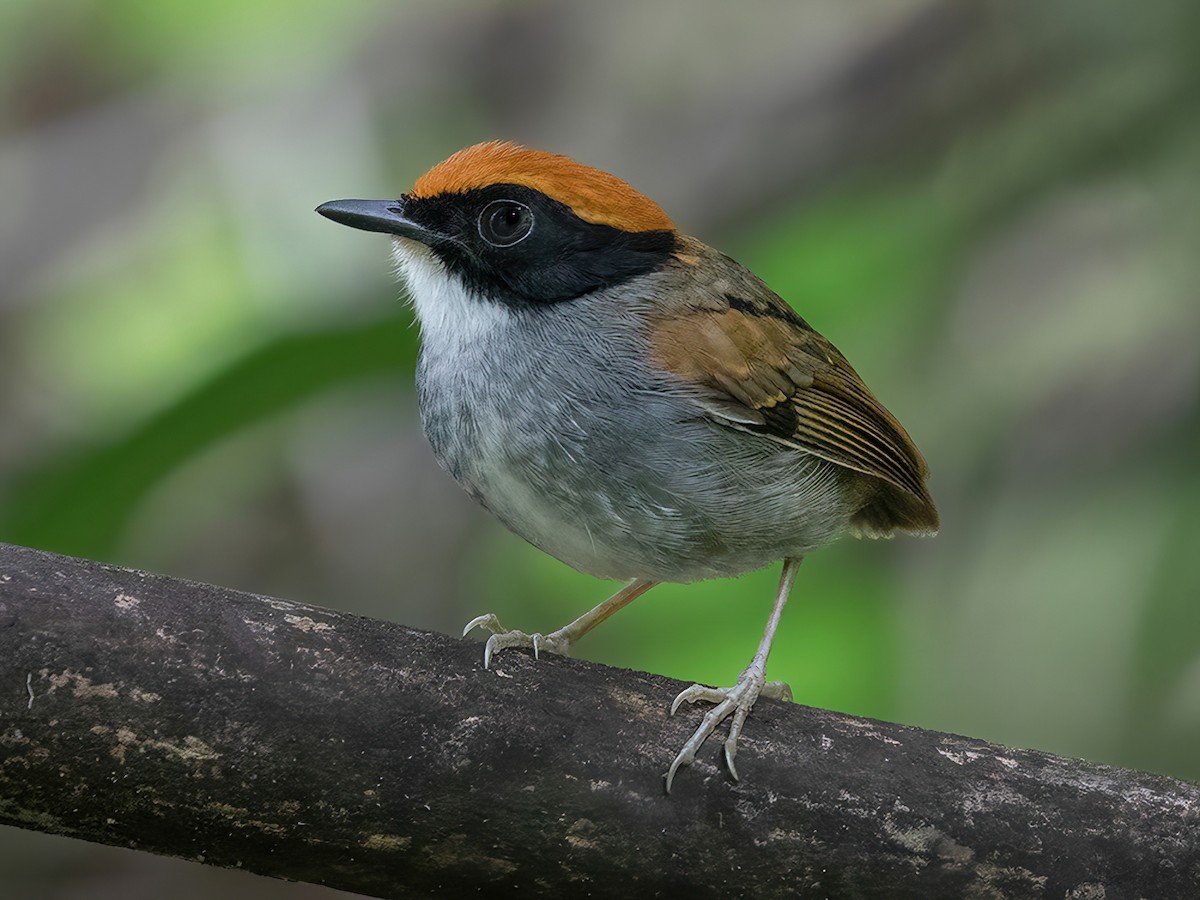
column 991, row 208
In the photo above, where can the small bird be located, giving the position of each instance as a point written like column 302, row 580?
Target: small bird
column 630, row 400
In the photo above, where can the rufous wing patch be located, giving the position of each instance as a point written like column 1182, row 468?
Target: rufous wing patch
column 595, row 196
column 764, row 370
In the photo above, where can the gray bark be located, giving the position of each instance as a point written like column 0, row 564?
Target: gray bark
column 298, row 742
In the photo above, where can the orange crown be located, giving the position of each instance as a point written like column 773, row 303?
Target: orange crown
column 592, row 195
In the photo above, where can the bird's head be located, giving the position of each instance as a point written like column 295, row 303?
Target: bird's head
column 520, row 226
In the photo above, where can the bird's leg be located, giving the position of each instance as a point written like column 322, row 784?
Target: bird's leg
column 737, row 701
column 560, row 641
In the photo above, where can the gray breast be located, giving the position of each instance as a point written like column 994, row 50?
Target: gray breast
column 561, row 430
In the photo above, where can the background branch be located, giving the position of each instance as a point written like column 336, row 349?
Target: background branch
column 238, row 730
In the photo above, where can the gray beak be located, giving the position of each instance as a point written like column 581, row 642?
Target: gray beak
column 386, row 216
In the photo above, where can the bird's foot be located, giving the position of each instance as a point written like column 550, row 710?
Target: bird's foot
column 503, row 638
column 736, row 701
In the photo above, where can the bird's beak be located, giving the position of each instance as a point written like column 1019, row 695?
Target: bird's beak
column 386, row 216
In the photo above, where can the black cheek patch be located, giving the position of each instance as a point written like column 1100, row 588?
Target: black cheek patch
column 585, row 258
column 564, row 257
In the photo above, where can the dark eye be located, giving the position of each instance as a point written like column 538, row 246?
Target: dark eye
column 505, row 222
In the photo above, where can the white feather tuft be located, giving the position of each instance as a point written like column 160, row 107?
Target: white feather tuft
column 450, row 315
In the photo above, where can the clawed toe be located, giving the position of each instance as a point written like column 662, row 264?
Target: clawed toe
column 488, row 622
column 736, row 701
column 711, row 720
column 505, row 638
column 695, row 693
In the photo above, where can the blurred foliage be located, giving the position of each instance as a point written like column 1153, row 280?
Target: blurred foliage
column 990, row 208
column 81, row 503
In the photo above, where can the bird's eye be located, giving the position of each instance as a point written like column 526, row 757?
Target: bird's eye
column 505, row 222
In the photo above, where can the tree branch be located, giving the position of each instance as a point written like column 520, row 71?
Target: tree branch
column 298, row 742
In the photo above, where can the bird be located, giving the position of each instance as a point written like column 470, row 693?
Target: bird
column 630, row 400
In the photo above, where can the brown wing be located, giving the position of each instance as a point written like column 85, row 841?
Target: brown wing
column 768, row 372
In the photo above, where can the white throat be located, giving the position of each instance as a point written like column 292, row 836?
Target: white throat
column 449, row 313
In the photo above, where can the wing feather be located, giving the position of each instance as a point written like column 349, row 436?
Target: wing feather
column 764, row 370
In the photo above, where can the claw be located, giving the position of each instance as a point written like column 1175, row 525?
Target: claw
column 694, row 693
column 735, row 731
column 711, row 720
column 487, row 621
column 560, row 641
column 736, row 701
column 503, row 638
column 679, row 761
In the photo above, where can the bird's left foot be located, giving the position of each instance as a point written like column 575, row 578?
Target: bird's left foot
column 736, row 701
column 503, row 638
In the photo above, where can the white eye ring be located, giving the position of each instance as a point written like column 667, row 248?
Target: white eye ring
column 498, row 227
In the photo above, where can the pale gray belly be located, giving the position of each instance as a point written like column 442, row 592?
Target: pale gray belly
column 654, row 492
